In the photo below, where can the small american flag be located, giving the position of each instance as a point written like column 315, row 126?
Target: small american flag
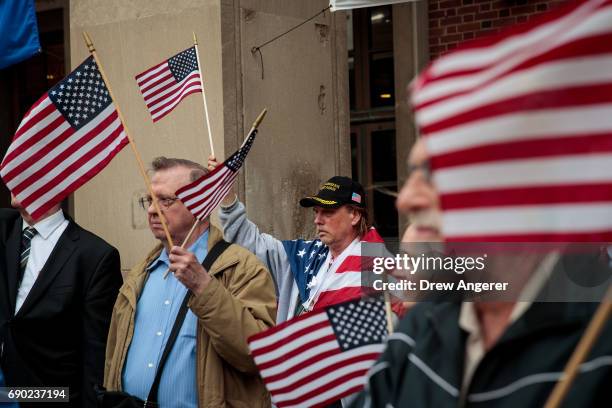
column 167, row 83
column 70, row 134
column 203, row 195
column 519, row 130
column 322, row 356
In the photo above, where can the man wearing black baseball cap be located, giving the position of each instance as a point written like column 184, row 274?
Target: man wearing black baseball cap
column 309, row 273
column 337, row 193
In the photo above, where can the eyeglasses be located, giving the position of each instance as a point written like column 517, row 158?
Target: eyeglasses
column 165, row 202
column 424, row 167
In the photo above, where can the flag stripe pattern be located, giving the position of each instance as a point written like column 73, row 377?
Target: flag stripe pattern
column 166, row 84
column 68, row 136
column 204, row 195
column 319, row 284
column 518, row 128
column 322, row 356
column 345, row 283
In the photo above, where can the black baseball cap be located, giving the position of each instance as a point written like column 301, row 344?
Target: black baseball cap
column 336, row 192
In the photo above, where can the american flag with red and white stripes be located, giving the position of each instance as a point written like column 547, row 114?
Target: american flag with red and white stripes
column 70, row 134
column 322, row 356
column 519, row 130
column 204, row 195
column 166, row 84
column 322, row 280
column 344, row 282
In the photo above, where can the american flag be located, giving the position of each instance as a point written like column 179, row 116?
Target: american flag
column 519, row 130
column 167, row 83
column 203, row 195
column 322, row 356
column 70, row 134
column 309, row 261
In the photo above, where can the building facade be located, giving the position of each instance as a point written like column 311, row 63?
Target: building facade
column 335, row 89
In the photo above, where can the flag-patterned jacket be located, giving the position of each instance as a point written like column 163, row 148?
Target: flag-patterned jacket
column 294, row 264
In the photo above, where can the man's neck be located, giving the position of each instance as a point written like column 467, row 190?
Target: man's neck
column 493, row 318
column 30, row 221
column 197, row 232
column 336, row 249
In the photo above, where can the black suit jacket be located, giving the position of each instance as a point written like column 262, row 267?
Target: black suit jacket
column 58, row 337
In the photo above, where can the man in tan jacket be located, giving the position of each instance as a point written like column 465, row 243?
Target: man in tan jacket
column 209, row 365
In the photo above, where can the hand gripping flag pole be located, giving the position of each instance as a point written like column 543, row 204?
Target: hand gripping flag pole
column 212, row 150
column 214, row 201
column 92, row 50
column 253, row 128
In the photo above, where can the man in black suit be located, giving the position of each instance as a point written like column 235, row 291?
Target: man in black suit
column 58, row 284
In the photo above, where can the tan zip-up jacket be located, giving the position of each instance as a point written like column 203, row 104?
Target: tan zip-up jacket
column 239, row 302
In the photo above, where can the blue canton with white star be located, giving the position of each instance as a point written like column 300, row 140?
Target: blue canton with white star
column 234, row 162
column 306, row 259
column 358, row 323
column 183, row 64
column 82, row 95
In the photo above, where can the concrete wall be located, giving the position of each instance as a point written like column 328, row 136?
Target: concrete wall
column 130, row 37
column 303, row 140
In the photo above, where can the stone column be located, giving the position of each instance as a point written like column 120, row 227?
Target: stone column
column 303, row 140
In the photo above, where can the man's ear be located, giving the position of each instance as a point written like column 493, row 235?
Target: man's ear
column 356, row 217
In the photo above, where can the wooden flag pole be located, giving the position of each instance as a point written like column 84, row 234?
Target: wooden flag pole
column 255, row 126
column 195, row 224
column 591, row 334
column 193, row 227
column 195, row 43
column 388, row 310
column 92, row 50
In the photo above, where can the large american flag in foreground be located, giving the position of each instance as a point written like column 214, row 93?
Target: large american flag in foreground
column 66, row 138
column 203, row 195
column 167, row 83
column 322, row 356
column 519, row 130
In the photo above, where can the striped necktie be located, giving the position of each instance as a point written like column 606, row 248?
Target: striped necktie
column 26, row 240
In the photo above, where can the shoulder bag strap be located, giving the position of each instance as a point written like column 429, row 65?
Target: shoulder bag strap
column 211, row 257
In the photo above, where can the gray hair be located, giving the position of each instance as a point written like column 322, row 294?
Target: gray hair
column 165, row 163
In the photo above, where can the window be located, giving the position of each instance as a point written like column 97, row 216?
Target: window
column 372, row 104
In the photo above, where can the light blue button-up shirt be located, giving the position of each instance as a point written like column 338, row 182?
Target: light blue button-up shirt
column 155, row 315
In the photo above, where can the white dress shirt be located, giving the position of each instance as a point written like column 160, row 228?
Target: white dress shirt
column 48, row 232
